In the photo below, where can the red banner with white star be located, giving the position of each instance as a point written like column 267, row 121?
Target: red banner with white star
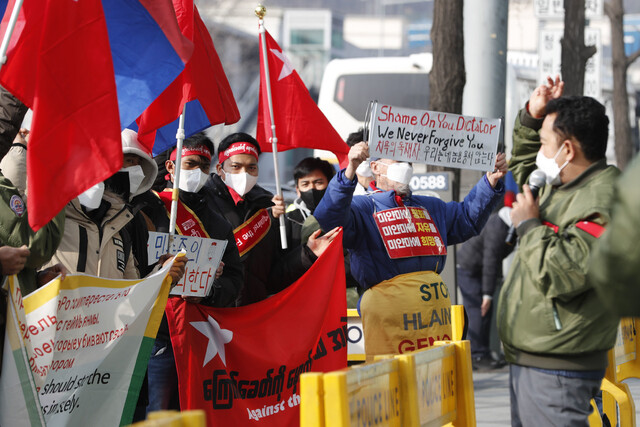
column 242, row 365
column 298, row 120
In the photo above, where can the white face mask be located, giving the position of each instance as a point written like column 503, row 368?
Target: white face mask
column 192, row 180
column 364, row 169
column 400, row 172
column 242, row 183
column 91, row 198
column 136, row 176
column 550, row 167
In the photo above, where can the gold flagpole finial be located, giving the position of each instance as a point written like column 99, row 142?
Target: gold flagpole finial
column 260, row 11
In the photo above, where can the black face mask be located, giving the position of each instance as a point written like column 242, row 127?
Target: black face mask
column 312, row 198
column 119, row 184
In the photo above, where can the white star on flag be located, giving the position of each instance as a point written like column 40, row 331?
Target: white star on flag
column 287, row 68
column 217, row 339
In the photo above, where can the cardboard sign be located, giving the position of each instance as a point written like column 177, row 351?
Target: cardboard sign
column 434, row 138
column 204, row 257
column 409, row 231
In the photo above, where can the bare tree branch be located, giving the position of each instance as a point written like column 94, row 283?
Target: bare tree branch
column 631, row 58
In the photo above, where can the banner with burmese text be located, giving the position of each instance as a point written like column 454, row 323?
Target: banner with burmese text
column 77, row 349
column 242, row 365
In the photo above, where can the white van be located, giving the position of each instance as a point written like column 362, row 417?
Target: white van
column 349, row 84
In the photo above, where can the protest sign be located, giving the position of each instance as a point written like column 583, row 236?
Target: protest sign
column 204, row 257
column 78, row 349
column 434, row 138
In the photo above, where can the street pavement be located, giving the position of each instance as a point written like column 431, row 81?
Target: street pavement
column 491, row 390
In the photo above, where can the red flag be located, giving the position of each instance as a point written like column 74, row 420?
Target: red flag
column 203, row 79
column 243, row 364
column 299, row 122
column 61, row 67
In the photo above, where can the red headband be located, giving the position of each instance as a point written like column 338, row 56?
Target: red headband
column 238, row 148
column 190, row 151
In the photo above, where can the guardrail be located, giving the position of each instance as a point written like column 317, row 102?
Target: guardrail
column 427, row 387
column 623, row 364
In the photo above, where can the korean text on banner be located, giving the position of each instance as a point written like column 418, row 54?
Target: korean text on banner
column 434, row 138
column 88, row 341
column 204, row 256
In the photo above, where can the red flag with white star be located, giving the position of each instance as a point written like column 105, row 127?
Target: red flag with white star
column 242, row 365
column 299, row 122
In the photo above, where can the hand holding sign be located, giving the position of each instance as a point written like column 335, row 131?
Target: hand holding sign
column 500, row 171
column 357, row 154
column 177, row 266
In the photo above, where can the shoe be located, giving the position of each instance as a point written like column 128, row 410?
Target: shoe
column 486, row 363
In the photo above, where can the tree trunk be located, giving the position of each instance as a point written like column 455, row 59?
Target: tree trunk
column 621, row 126
column 574, row 52
column 447, row 76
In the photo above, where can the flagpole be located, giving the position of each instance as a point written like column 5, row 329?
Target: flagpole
column 260, row 11
column 7, row 35
column 176, row 177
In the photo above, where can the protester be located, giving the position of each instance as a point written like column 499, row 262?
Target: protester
column 235, row 195
column 555, row 330
column 614, row 267
column 195, row 218
column 312, row 175
column 96, row 240
column 12, row 112
column 406, row 304
column 23, row 251
column 479, row 271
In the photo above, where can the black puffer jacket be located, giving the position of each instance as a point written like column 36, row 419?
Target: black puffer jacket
column 267, row 268
column 482, row 255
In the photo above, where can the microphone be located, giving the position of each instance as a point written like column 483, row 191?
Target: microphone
column 537, row 180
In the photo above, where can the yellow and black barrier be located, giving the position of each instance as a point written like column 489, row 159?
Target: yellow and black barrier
column 193, row 418
column 428, row 387
column 623, row 364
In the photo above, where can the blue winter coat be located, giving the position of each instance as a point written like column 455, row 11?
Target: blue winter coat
column 370, row 264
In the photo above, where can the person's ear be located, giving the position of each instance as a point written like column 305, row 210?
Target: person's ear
column 171, row 167
column 219, row 170
column 572, row 147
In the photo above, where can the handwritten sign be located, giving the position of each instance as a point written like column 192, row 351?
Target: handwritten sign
column 204, row 257
column 434, row 138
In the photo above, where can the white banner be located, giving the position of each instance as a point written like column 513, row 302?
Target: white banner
column 434, row 138
column 204, row 258
column 87, row 341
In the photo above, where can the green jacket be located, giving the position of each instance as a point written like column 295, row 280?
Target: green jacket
column 549, row 316
column 614, row 268
column 15, row 231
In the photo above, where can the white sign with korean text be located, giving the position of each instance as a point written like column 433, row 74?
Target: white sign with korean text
column 434, row 138
column 204, row 257
column 550, row 59
column 554, row 9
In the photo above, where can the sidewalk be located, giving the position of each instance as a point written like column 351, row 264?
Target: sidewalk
column 492, row 397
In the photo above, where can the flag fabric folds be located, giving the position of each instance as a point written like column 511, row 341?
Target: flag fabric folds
column 299, row 122
column 86, row 69
column 60, row 67
column 242, row 365
column 203, row 85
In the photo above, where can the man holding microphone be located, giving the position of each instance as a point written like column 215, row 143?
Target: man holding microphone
column 555, row 331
